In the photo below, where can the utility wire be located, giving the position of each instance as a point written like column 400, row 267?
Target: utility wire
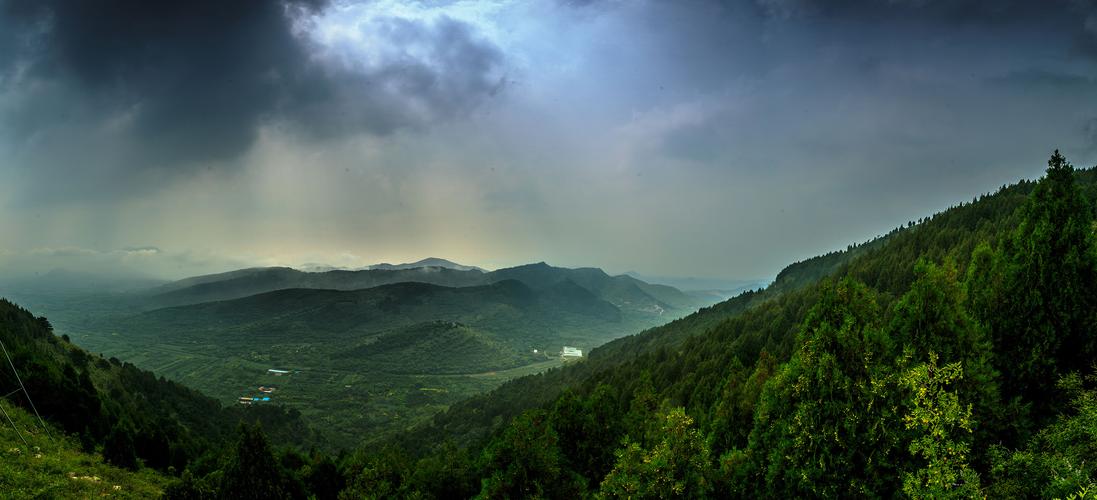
column 43, row 422
column 13, row 426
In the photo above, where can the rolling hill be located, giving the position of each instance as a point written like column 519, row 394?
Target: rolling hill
column 434, row 347
column 245, row 282
column 373, row 361
column 508, row 309
column 220, row 333
column 427, row 262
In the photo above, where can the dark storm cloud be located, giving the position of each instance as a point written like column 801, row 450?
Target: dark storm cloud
column 449, row 79
column 1076, row 19
column 961, row 11
column 196, row 75
column 191, row 81
column 662, row 125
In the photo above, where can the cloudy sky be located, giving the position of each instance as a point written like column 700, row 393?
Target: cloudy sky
column 688, row 137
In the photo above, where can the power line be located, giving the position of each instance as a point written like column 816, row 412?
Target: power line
column 21, row 386
column 13, row 426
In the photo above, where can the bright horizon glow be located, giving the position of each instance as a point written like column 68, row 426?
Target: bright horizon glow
column 723, row 139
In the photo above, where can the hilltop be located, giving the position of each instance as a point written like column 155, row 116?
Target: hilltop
column 427, row 262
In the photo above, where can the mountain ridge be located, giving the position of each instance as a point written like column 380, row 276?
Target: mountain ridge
column 623, row 291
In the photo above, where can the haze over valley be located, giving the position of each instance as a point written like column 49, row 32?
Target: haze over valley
column 371, row 351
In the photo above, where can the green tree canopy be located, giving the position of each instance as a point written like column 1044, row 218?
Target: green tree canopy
column 251, row 471
column 678, row 466
column 1050, row 288
column 825, row 425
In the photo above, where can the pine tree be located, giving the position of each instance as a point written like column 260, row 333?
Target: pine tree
column 931, row 320
column 1049, row 289
column 525, row 461
column 252, row 472
column 942, row 427
column 118, row 449
column 825, row 425
column 675, row 467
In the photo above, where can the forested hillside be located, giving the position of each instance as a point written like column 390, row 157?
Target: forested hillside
column 40, row 464
column 886, row 262
column 953, row 356
column 130, row 415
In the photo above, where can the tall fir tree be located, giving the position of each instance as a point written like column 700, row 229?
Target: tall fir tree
column 931, row 320
column 252, row 472
column 1044, row 324
column 824, row 426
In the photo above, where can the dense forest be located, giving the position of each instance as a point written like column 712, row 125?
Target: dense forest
column 953, row 356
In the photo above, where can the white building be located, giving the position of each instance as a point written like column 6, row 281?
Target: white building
column 571, row 352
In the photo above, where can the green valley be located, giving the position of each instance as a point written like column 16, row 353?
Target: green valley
column 365, row 363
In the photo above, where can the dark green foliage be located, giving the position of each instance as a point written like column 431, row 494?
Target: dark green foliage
column 1059, row 460
column 525, row 461
column 825, row 422
column 931, row 320
column 888, row 378
column 588, row 430
column 323, row 478
column 865, row 373
column 1043, row 323
column 189, row 488
column 940, row 438
column 733, row 412
column 383, row 474
column 677, row 466
column 448, row 473
column 251, row 471
column 135, row 417
column 118, row 448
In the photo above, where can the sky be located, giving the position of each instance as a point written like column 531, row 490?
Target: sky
column 692, row 137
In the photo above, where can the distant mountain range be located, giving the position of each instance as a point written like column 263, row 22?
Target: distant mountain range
column 315, row 267
column 624, row 292
column 508, row 310
column 246, row 282
column 693, row 284
column 427, row 262
column 399, row 342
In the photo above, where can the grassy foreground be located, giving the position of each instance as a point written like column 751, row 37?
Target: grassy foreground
column 56, row 467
